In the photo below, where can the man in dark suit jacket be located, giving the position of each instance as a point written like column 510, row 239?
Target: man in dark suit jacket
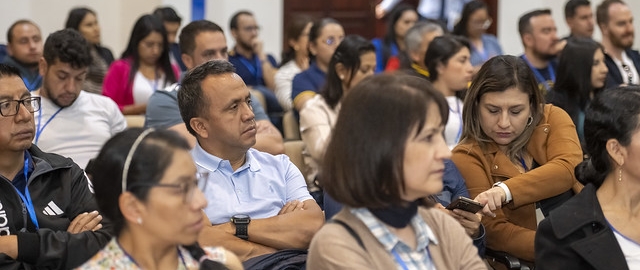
column 616, row 24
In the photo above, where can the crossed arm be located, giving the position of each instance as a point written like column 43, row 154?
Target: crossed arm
column 293, row 227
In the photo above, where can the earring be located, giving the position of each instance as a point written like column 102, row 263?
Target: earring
column 620, row 175
column 341, row 77
column 529, row 120
column 139, row 220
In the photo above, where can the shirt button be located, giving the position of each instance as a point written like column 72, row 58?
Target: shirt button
column 495, row 167
column 238, row 191
column 546, row 130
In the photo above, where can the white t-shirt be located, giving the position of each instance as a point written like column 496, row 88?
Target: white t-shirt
column 80, row 130
column 453, row 129
column 630, row 249
column 143, row 87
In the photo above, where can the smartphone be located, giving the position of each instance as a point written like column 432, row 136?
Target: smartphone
column 465, row 204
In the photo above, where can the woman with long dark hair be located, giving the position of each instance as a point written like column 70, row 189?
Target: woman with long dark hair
column 143, row 68
column 581, row 75
column 85, row 21
column 392, row 45
column 353, row 60
column 155, row 204
column 473, row 25
column 295, row 59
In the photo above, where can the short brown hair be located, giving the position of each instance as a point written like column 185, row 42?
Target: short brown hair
column 363, row 163
column 19, row 22
column 497, row 75
column 602, row 11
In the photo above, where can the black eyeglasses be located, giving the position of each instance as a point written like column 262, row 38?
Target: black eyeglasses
column 187, row 188
column 11, row 107
column 627, row 69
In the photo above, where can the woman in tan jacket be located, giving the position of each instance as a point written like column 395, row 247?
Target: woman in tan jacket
column 516, row 155
column 385, row 156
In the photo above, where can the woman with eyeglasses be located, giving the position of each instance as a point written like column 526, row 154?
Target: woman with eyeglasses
column 581, row 75
column 324, row 37
column 473, row 25
column 146, row 183
column 143, row 68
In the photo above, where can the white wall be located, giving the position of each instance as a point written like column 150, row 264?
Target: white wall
column 117, row 17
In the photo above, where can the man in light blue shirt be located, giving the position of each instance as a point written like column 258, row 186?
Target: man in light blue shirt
column 258, row 203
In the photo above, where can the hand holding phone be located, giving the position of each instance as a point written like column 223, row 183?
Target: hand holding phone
column 465, row 204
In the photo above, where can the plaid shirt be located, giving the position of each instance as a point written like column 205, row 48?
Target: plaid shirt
column 405, row 257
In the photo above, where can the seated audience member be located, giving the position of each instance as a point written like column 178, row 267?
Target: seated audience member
column 450, row 71
column 417, row 41
column 50, row 217
column 202, row 41
column 581, row 75
column 473, row 25
column 616, row 24
column 71, row 122
column 171, row 22
column 579, row 18
column 515, row 153
column 539, row 37
column 85, row 21
column 597, row 229
column 146, row 238
column 386, row 222
column 392, row 45
column 353, row 60
column 24, row 49
column 263, row 195
column 143, row 68
column 295, row 59
column 252, row 63
column 324, row 37
column 445, row 13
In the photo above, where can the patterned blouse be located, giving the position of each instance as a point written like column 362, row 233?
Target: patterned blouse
column 113, row 256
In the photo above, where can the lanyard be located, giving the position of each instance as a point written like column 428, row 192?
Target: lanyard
column 26, row 198
column 524, row 164
column 255, row 71
column 539, row 77
column 40, row 129
column 32, row 85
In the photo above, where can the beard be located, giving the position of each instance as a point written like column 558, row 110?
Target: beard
column 618, row 40
column 543, row 55
column 246, row 46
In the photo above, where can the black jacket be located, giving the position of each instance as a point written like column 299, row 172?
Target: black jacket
column 577, row 236
column 614, row 77
column 60, row 192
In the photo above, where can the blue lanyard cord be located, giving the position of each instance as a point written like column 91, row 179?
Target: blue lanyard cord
column 539, row 76
column 40, row 129
column 256, row 71
column 26, row 198
column 524, row 164
column 32, row 85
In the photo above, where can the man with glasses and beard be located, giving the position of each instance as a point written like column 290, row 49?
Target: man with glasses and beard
column 541, row 45
column 616, row 24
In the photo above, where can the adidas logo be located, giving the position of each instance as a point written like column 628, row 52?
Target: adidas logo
column 52, row 209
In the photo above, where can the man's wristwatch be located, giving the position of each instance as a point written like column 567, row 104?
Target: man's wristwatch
column 242, row 225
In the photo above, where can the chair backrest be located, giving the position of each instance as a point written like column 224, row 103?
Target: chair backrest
column 134, row 120
column 290, row 126
column 293, row 149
